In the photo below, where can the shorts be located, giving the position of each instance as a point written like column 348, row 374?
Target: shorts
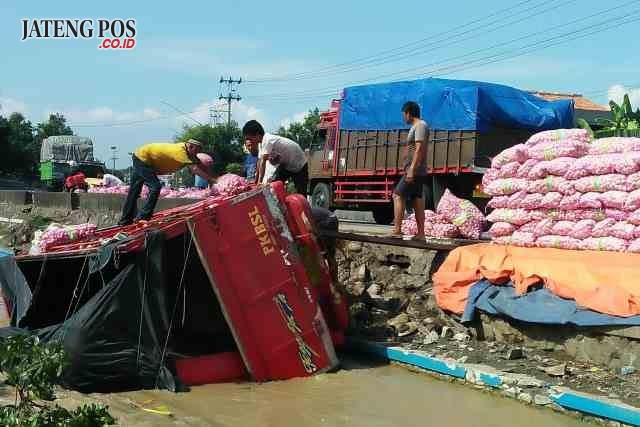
column 411, row 191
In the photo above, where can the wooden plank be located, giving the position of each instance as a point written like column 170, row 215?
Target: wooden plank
column 430, row 244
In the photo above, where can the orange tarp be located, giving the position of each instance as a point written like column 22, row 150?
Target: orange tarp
column 607, row 282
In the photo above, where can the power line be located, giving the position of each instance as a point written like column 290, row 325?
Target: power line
column 405, row 46
column 136, row 122
column 449, row 39
column 231, row 94
column 181, row 112
column 327, row 91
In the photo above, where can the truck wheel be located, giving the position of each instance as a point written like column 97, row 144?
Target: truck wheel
column 321, row 196
column 383, row 215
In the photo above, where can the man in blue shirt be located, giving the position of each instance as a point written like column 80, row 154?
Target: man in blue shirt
column 250, row 161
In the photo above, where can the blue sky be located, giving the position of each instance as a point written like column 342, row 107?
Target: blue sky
column 183, row 48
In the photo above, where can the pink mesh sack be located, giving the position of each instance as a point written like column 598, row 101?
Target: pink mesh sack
column 614, row 199
column 633, row 181
column 633, row 201
column 590, row 201
column 499, row 202
column 529, row 227
column 611, row 244
column 543, row 228
column 463, row 214
column 603, row 228
column 553, row 150
column 571, row 202
column 594, row 214
column 563, row 228
column 505, row 187
column 582, row 229
column 614, row 145
column 602, row 183
column 516, row 199
column 489, row 176
column 517, row 153
column 616, row 214
column 523, row 239
column 634, row 247
column 500, row 229
column 444, row 231
column 552, row 183
column 623, row 230
column 558, row 242
column 509, row 170
column 512, row 216
column 551, row 200
column 558, row 135
column 525, row 168
column 532, row 201
column 556, row 167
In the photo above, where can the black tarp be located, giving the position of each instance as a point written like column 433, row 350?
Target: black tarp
column 116, row 339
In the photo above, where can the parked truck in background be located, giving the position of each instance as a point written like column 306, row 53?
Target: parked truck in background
column 60, row 155
column 359, row 157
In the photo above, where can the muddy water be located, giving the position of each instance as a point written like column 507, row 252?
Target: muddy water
column 360, row 395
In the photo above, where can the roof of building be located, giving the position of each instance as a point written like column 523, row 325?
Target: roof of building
column 581, row 103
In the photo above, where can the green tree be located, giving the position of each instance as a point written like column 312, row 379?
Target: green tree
column 20, row 142
column 221, row 141
column 16, row 143
column 305, row 132
column 55, row 125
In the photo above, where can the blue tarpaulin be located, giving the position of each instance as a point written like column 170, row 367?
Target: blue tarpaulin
column 452, row 105
column 538, row 305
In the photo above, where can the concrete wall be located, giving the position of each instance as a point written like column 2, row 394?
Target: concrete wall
column 15, row 197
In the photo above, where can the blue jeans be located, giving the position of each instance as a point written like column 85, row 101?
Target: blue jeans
column 142, row 174
column 201, row 182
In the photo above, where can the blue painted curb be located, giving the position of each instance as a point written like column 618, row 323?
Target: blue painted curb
column 602, row 408
column 409, row 357
column 581, row 402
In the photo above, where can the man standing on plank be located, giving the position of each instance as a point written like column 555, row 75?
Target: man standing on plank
column 410, row 188
column 152, row 160
column 289, row 159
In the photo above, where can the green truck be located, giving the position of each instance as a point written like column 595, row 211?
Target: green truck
column 62, row 155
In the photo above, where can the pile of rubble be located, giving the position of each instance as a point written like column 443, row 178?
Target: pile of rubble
column 391, row 300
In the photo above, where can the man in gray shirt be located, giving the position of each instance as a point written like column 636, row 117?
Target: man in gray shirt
column 410, row 187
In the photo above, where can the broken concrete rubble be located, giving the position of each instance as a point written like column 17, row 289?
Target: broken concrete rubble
column 593, row 360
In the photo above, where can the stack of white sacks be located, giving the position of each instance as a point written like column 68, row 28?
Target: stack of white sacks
column 562, row 190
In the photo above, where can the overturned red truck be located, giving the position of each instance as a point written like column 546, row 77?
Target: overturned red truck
column 220, row 290
column 360, row 156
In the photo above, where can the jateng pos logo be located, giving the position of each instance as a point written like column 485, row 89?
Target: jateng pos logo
column 113, row 34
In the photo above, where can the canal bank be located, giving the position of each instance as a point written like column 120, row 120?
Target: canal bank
column 362, row 393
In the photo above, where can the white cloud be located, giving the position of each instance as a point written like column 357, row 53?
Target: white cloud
column 616, row 93
column 11, row 105
column 298, row 117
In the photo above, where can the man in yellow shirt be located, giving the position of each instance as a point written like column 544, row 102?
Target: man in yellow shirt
column 152, row 160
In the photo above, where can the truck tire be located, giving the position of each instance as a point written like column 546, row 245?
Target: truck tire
column 321, row 196
column 383, row 215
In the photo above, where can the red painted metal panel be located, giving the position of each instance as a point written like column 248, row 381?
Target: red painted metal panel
column 251, row 261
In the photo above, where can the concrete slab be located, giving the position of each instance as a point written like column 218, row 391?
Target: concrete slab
column 15, row 197
column 44, row 199
column 100, row 202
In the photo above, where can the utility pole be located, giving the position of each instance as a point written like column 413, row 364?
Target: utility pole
column 113, row 156
column 231, row 94
column 214, row 115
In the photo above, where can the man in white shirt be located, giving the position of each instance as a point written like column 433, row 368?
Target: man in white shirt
column 289, row 159
column 109, row 180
